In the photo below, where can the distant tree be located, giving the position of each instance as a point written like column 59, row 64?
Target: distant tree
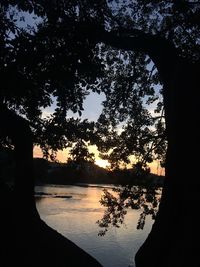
column 40, row 166
column 80, row 153
column 80, row 159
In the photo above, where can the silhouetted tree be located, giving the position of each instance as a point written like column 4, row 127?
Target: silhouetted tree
column 79, row 158
column 170, row 40
column 28, row 84
column 60, row 58
column 80, row 153
column 34, row 69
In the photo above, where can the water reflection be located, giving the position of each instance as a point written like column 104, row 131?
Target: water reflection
column 121, row 198
column 76, row 219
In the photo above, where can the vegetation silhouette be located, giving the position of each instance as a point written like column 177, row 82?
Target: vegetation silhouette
column 122, row 198
column 25, row 236
column 142, row 192
column 123, row 49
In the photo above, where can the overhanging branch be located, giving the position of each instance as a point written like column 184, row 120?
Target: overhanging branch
column 162, row 52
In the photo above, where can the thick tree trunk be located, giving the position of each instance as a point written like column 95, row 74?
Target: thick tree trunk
column 17, row 129
column 25, row 236
column 174, row 237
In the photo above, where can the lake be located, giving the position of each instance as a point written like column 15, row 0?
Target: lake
column 73, row 212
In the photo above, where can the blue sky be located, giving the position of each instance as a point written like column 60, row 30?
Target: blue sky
column 92, row 107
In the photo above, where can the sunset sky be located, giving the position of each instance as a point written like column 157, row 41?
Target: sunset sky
column 92, row 110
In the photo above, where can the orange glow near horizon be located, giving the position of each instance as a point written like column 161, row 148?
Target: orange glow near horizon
column 102, row 163
column 62, row 156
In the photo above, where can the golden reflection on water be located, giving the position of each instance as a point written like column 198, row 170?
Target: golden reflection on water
column 76, row 219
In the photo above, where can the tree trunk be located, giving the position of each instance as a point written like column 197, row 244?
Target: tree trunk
column 174, row 238
column 25, row 236
column 17, row 129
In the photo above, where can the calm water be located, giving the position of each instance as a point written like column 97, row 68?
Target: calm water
column 76, row 217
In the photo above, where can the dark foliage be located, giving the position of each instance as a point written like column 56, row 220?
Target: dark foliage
column 138, row 53
column 122, row 198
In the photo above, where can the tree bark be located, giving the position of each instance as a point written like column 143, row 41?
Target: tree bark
column 169, row 242
column 25, row 236
column 173, row 239
column 18, row 130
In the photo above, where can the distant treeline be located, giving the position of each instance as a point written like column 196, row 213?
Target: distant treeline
column 87, row 172
column 47, row 172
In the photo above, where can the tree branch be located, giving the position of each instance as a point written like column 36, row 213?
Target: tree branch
column 162, row 52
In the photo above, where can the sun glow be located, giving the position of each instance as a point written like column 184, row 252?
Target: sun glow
column 102, row 163
column 62, row 156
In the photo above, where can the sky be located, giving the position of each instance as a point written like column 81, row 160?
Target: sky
column 92, row 109
column 92, row 104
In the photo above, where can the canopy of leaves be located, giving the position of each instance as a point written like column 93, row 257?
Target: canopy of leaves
column 45, row 60
column 48, row 49
column 51, row 49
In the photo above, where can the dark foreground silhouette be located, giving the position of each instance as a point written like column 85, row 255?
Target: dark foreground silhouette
column 27, row 241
